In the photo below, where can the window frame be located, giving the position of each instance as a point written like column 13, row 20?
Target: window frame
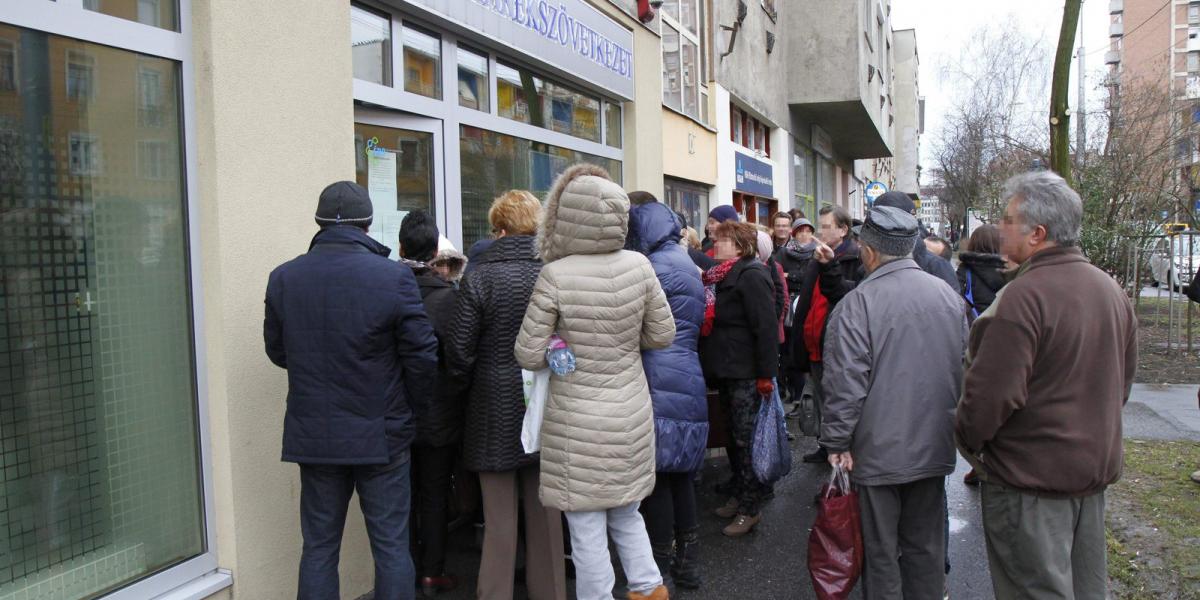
column 700, row 66
column 75, row 57
column 95, row 158
column 198, row 576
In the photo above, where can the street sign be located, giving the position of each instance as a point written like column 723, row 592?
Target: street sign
column 875, row 189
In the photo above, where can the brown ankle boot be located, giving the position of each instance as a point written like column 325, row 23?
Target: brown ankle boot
column 659, row 593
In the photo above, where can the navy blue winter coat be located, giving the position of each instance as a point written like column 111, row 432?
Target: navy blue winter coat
column 674, row 374
column 350, row 328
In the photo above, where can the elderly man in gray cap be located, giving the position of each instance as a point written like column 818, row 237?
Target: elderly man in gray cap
column 892, row 431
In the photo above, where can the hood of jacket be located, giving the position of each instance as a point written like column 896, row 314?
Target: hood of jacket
column 651, row 226
column 349, row 235
column 586, row 213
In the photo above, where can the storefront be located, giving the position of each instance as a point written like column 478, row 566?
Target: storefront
column 753, row 162
column 456, row 102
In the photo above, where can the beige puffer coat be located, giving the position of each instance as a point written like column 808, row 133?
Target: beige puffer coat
column 606, row 303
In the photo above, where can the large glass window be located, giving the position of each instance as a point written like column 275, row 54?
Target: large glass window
column 99, row 457
column 802, row 169
column 473, row 80
column 612, row 123
column 530, row 98
column 825, row 184
column 422, row 62
column 690, row 199
column 158, row 13
column 370, row 45
column 683, row 46
column 493, row 162
column 410, row 154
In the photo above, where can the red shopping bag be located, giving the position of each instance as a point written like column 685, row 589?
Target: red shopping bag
column 835, row 547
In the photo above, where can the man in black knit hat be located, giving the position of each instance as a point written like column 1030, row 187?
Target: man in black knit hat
column 349, row 327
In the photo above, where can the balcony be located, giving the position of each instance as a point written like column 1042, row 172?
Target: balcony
column 1116, row 7
column 1112, row 57
column 1116, row 30
column 833, row 81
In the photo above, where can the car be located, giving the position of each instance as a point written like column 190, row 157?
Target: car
column 1180, row 250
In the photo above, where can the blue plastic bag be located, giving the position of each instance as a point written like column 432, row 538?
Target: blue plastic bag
column 770, row 453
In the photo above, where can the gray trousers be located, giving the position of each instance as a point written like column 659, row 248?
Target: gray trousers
column 1045, row 547
column 903, row 539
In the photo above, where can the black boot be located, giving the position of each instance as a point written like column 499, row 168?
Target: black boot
column 662, row 558
column 685, row 569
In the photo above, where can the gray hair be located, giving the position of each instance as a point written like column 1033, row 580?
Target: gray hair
column 1047, row 200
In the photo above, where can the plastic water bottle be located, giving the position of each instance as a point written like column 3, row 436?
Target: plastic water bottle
column 560, row 357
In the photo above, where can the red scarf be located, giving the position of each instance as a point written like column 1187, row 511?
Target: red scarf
column 711, row 278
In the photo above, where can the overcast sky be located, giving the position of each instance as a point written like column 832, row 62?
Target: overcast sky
column 944, row 28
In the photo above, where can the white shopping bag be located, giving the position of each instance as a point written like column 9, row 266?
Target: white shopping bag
column 536, row 385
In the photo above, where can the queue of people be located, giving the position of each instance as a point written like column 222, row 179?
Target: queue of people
column 403, row 378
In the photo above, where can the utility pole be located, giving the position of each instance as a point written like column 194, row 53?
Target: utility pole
column 1081, row 111
column 1060, row 117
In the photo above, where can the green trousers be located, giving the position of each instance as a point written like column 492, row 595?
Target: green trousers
column 1042, row 548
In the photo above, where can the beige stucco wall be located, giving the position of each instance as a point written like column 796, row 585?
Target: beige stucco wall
column 643, row 142
column 273, row 107
column 689, row 149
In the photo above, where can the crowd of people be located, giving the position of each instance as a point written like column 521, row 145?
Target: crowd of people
column 405, row 385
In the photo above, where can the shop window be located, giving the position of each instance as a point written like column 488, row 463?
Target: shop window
column 473, row 80
column 493, row 162
column 99, row 437
column 8, row 66
column 612, row 121
column 150, row 98
column 825, row 183
column 81, row 76
column 805, row 184
column 690, row 199
column 370, row 45
column 412, row 155
column 529, row 98
column 156, row 13
column 754, row 209
column 422, row 62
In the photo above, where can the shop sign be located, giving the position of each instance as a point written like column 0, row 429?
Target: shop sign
column 753, row 176
column 569, row 34
column 875, row 189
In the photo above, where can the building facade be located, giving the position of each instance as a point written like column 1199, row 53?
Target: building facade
column 158, row 158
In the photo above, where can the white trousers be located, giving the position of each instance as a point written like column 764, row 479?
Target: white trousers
column 594, row 577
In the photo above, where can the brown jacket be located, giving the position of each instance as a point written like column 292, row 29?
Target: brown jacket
column 1049, row 367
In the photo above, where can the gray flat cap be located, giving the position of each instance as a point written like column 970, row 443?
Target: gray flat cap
column 890, row 230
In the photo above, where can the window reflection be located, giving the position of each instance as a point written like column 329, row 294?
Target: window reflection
column 473, row 80
column 612, row 120
column 529, row 98
column 493, row 162
column 422, row 63
column 99, row 464
column 156, row 13
column 370, row 45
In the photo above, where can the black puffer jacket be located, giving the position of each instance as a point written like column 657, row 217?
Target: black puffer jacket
column 744, row 343
column 441, row 423
column 987, row 277
column 489, row 311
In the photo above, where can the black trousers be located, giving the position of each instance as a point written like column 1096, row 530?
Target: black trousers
column 670, row 510
column 432, row 468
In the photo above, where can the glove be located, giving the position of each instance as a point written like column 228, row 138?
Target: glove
column 765, row 386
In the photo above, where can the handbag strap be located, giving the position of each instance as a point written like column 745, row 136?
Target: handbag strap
column 970, row 295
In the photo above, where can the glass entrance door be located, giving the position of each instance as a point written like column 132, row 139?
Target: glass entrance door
column 398, row 158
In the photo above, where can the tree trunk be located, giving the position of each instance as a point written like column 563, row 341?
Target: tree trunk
column 1060, row 120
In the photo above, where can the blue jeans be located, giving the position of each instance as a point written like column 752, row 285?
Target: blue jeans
column 383, row 495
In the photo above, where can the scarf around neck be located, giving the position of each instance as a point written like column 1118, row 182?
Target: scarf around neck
column 711, row 278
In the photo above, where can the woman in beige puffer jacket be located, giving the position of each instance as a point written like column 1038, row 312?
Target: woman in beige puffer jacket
column 597, row 436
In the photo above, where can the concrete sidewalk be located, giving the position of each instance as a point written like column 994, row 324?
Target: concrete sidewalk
column 1162, row 412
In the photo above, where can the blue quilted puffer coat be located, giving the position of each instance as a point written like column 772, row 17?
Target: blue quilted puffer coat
column 676, row 379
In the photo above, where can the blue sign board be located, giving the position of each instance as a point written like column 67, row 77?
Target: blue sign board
column 753, row 176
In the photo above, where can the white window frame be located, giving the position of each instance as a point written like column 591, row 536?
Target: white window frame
column 698, row 69
column 199, row 576
column 393, row 100
column 93, row 159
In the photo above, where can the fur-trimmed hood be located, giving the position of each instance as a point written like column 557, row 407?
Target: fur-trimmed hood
column 586, row 213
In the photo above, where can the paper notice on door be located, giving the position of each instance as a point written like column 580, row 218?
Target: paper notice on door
column 391, row 229
column 381, row 180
